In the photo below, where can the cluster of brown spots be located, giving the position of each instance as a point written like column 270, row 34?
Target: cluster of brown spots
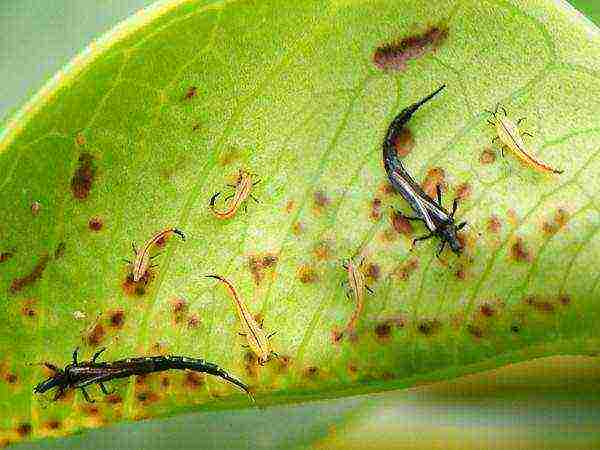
column 538, row 304
column 488, row 156
column 463, row 191
column 24, row 429
column 395, row 56
column 307, row 274
column 35, row 208
column 230, row 156
column 91, row 410
column 179, row 308
column 289, row 207
column 28, row 308
column 283, row 363
column 193, row 380
column 475, row 330
column 461, row 271
column 494, row 224
column 82, row 180
column 383, row 330
column 117, row 318
column 404, row 143
column 435, row 177
column 95, row 224
column 564, row 299
column 428, row 327
column 259, row 263
column 311, row 372
column 5, row 256
column 131, row 288
column 114, row 398
column 373, row 271
column 191, row 93
column 140, row 380
column 487, row 309
column 10, row 378
column 336, row 336
column 375, row 209
column 18, row 284
column 519, row 251
column 401, row 224
column 321, row 199
column 298, row 228
column 60, row 250
column 96, row 335
column 193, row 321
column 322, row 250
column 52, row 425
column 147, row 397
column 406, row 269
column 561, row 217
column 80, row 139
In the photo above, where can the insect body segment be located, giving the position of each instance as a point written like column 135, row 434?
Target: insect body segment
column 512, row 139
column 78, row 375
column 142, row 256
column 357, row 284
column 242, row 191
column 258, row 341
column 438, row 220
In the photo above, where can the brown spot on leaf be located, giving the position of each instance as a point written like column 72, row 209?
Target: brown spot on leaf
column 289, row 207
column 434, row 177
column 147, row 397
column 394, row 56
column 519, row 251
column 401, row 224
column 387, row 188
column 52, row 425
column 474, row 330
column 60, row 250
column 117, row 318
column 113, row 399
column 82, row 180
column 373, row 271
column 5, row 256
column 487, row 310
column 494, row 224
column 512, row 217
column 193, row 321
column 24, row 429
column 538, row 304
column 404, row 143
column 4, row 442
column 95, row 336
column 10, row 378
column 322, row 250
column 463, row 191
column 258, row 263
column 488, row 156
column 311, row 372
column 406, row 269
column 18, row 284
column 306, row 274
column 564, row 299
column 179, row 309
column 191, row 93
column 336, row 336
column 230, row 156
column 321, row 199
column 165, row 382
column 193, row 380
column 28, row 308
column 95, row 224
column 560, row 219
column 298, row 228
column 428, row 327
column 375, row 209
column 251, row 364
column 383, row 330
column 80, row 139
column 35, row 208
column 461, row 272
column 283, row 363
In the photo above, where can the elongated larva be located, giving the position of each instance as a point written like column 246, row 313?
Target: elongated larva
column 511, row 138
column 258, row 341
column 356, row 280
column 142, row 257
column 242, row 191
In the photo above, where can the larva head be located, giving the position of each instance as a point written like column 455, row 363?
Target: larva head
column 449, row 234
column 58, row 380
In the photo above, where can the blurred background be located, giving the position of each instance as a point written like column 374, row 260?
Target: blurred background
column 550, row 403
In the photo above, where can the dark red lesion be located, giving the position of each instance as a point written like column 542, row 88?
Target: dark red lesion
column 82, row 180
column 18, row 284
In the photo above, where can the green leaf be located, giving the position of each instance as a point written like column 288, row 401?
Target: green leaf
column 290, row 91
